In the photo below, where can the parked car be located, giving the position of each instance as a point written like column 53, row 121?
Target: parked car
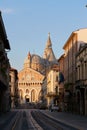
column 53, row 107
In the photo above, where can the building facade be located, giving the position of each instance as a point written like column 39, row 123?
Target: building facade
column 71, row 47
column 61, row 74
column 81, row 80
column 4, row 69
column 52, row 86
column 61, row 81
column 30, row 78
column 13, row 84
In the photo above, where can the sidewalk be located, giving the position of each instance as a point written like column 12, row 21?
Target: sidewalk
column 75, row 121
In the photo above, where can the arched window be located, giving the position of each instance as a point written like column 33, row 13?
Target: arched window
column 40, row 95
column 21, row 93
column 33, row 95
column 27, row 91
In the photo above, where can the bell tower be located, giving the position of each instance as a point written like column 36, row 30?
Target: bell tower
column 48, row 52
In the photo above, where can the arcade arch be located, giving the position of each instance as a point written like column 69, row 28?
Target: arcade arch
column 27, row 99
column 21, row 94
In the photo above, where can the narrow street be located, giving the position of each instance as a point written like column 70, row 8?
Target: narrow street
column 48, row 123
column 43, row 65
column 29, row 119
column 19, row 119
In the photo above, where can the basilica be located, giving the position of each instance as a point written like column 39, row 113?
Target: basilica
column 31, row 77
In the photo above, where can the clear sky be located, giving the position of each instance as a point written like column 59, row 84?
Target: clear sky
column 28, row 22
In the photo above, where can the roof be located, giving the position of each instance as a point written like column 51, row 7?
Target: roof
column 28, row 70
column 72, row 34
column 34, row 58
column 62, row 56
column 3, row 33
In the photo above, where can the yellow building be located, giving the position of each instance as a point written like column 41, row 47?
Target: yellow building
column 52, row 85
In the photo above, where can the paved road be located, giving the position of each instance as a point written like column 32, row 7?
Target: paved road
column 48, row 123
column 18, row 120
column 76, row 121
column 21, row 119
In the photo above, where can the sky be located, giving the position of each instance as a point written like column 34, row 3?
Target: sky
column 28, row 22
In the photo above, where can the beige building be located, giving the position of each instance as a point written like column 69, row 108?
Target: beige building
column 30, row 79
column 81, row 80
column 71, row 47
column 33, row 74
column 52, row 86
column 4, row 69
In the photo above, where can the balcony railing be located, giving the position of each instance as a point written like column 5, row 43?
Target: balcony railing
column 52, row 94
column 79, row 82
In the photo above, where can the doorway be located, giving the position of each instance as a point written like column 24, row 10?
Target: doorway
column 27, row 100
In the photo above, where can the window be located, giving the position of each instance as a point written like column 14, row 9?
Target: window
column 27, row 91
column 10, row 78
column 56, row 78
column 56, row 89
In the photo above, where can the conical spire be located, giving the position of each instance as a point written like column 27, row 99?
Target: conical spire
column 29, row 55
column 48, row 52
column 27, row 61
column 48, row 44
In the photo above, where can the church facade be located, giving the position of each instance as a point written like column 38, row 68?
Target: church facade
column 30, row 78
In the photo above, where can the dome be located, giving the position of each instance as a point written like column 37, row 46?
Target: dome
column 36, row 59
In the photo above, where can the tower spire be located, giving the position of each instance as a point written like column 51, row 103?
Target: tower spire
column 49, row 34
column 48, row 44
column 29, row 55
column 48, row 52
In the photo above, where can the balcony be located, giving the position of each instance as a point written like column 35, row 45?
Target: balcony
column 81, row 81
column 80, row 84
column 51, row 94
